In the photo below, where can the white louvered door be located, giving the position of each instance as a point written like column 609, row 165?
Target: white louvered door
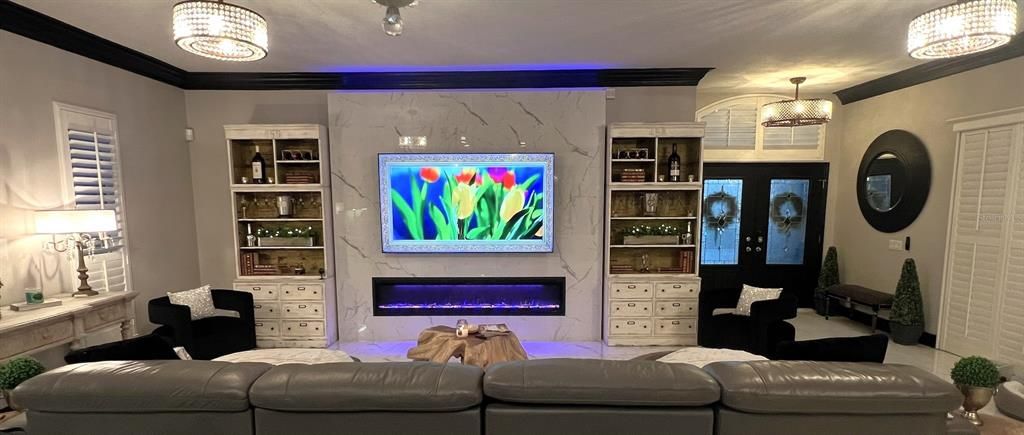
column 983, row 303
column 91, row 145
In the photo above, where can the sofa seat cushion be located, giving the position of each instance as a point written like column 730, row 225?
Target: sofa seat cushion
column 143, row 347
column 600, row 382
column 355, row 387
column 141, row 387
column 809, row 387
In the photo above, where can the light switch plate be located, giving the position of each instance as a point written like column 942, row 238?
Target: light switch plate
column 895, row 245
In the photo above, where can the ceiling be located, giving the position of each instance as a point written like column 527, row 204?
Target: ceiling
column 755, row 45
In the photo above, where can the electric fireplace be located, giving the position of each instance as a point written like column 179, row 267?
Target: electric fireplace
column 469, row 296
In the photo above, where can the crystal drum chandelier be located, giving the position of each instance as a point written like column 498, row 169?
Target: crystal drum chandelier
column 220, row 30
column 796, row 112
column 962, row 28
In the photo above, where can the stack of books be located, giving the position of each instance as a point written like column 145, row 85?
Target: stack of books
column 251, row 266
column 248, row 261
column 633, row 175
column 300, row 179
column 621, row 268
column 686, row 261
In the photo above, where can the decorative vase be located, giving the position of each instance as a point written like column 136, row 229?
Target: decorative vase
column 975, row 398
column 907, row 335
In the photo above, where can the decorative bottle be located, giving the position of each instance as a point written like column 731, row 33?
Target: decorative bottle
column 674, row 166
column 259, row 167
column 250, row 238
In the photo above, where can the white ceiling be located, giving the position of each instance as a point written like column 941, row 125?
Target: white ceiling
column 755, row 45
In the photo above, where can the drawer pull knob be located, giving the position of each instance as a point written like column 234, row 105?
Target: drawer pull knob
column 691, row 308
column 676, row 304
column 689, row 326
column 630, row 286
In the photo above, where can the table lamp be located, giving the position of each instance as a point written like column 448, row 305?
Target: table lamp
column 78, row 225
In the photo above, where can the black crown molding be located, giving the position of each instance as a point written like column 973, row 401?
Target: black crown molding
column 933, row 70
column 26, row 22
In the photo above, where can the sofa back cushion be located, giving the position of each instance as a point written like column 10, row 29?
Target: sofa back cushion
column 357, row 387
column 141, row 387
column 600, row 382
column 810, row 387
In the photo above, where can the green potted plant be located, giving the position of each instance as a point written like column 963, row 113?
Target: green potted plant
column 976, row 377
column 16, row 371
column 828, row 277
column 906, row 322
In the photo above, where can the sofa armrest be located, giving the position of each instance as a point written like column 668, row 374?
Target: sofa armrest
column 233, row 300
column 176, row 317
column 774, row 310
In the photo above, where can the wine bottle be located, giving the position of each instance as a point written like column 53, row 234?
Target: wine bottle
column 674, row 166
column 259, row 167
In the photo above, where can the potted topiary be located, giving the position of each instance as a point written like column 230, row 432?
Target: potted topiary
column 976, row 377
column 829, row 277
column 906, row 322
column 16, row 371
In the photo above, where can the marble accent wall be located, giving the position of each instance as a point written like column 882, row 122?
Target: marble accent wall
column 567, row 123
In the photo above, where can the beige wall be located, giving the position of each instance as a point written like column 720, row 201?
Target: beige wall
column 155, row 167
column 652, row 104
column 207, row 113
column 924, row 111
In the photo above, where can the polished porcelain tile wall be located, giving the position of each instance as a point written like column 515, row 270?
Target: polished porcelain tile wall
column 567, row 123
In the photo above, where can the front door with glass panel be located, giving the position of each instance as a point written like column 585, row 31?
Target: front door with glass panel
column 763, row 226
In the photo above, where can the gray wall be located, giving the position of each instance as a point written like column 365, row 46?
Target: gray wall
column 208, row 112
column 155, row 166
column 652, row 104
column 924, row 111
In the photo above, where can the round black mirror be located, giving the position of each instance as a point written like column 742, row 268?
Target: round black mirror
column 893, row 181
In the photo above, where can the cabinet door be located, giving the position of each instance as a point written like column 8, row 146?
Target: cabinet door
column 974, row 278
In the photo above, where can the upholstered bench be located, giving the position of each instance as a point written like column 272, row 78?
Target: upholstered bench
column 855, row 294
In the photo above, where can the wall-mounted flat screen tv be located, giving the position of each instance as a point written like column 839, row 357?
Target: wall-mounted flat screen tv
column 434, row 203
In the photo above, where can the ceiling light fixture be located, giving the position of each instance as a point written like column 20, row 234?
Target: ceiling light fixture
column 961, row 28
column 796, row 112
column 392, row 22
column 219, row 30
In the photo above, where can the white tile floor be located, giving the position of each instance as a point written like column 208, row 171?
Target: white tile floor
column 808, row 326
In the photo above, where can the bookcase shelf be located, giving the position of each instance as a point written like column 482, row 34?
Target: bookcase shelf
column 640, row 202
column 294, row 202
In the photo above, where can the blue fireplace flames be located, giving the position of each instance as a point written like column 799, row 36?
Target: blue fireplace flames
column 471, row 296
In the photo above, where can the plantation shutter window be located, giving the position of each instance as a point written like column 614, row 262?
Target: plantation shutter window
column 89, row 139
column 731, row 127
column 983, row 289
column 734, row 124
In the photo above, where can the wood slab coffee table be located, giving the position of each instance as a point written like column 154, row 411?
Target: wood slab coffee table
column 439, row 344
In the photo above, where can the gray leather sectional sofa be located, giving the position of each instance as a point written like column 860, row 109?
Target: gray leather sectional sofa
column 538, row 397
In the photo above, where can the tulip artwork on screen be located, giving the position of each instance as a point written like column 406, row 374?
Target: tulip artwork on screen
column 444, row 203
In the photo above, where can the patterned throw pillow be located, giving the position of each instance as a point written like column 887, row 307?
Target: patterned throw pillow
column 753, row 294
column 198, row 300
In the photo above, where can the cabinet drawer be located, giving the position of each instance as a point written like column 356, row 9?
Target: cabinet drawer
column 630, row 327
column 19, row 341
column 302, row 310
column 296, row 133
column 675, row 326
column 632, row 308
column 626, row 290
column 268, row 328
column 685, row 289
column 104, row 316
column 296, row 328
column 260, row 292
column 683, row 308
column 311, row 292
column 266, row 310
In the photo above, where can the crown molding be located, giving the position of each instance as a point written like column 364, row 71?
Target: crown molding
column 933, row 70
column 26, row 22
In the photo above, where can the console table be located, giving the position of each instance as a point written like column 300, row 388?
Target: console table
column 26, row 332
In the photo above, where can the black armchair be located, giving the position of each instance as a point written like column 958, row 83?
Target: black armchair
column 211, row 337
column 758, row 333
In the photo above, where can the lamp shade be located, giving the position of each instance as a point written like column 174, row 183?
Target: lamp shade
column 75, row 221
